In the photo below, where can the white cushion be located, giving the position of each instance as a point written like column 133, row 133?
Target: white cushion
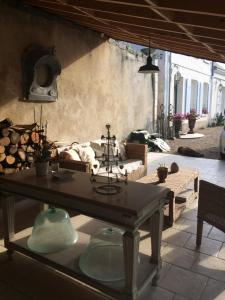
column 115, row 149
column 95, row 166
column 87, row 154
column 61, row 149
column 131, row 165
column 98, row 147
column 70, row 155
column 122, row 151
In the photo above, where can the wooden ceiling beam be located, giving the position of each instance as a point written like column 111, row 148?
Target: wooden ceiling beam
column 112, row 8
column 112, row 11
column 188, row 31
column 138, row 20
column 155, row 6
column 104, row 22
column 107, row 30
column 164, row 46
column 207, row 22
column 145, row 30
column 209, row 33
column 201, row 55
column 154, row 37
column 131, row 20
column 149, row 24
column 216, row 8
column 178, row 43
column 54, row 6
column 134, row 21
column 202, row 21
column 61, row 8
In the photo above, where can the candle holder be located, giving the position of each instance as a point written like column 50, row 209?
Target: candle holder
column 111, row 171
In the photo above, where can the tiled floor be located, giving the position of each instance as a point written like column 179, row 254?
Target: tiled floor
column 186, row 273
column 193, row 274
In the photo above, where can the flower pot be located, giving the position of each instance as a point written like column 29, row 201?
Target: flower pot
column 177, row 127
column 162, row 174
column 42, row 168
column 191, row 124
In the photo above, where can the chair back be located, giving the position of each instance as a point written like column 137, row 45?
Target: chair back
column 211, row 204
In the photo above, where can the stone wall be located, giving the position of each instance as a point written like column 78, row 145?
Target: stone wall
column 99, row 82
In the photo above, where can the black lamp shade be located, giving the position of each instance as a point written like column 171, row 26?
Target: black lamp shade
column 149, row 67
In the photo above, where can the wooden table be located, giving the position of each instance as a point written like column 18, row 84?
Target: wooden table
column 129, row 209
column 176, row 182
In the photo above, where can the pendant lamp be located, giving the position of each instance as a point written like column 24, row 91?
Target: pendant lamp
column 149, row 67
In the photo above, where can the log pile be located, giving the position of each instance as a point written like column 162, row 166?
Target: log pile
column 17, row 144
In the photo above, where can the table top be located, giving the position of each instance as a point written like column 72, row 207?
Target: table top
column 135, row 199
column 176, row 182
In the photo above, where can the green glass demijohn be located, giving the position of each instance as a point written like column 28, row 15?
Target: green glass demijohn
column 103, row 258
column 52, row 232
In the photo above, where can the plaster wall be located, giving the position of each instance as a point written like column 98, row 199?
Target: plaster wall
column 99, row 82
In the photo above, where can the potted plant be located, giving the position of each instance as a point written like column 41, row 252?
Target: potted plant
column 204, row 111
column 42, row 156
column 192, row 116
column 162, row 172
column 177, row 120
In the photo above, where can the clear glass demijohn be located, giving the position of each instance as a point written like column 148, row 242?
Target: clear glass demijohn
column 52, row 232
column 103, row 258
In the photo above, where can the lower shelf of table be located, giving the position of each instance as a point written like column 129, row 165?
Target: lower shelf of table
column 67, row 261
column 179, row 208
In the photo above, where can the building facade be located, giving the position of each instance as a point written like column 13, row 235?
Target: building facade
column 187, row 83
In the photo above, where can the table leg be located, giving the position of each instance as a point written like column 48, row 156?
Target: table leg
column 130, row 249
column 196, row 185
column 8, row 204
column 156, row 226
column 171, row 208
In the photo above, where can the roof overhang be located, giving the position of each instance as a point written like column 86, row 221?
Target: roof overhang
column 192, row 27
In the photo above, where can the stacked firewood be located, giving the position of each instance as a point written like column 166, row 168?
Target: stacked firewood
column 17, row 146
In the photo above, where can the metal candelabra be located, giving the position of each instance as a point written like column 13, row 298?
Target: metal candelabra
column 111, row 171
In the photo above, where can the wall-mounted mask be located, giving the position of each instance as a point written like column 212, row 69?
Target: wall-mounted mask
column 40, row 69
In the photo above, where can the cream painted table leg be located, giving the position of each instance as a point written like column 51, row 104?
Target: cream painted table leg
column 131, row 248
column 171, row 208
column 196, row 186
column 156, row 226
column 8, row 203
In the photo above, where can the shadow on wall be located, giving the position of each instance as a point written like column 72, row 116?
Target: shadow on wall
column 20, row 29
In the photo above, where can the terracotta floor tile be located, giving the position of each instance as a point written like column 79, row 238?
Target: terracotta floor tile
column 191, row 226
column 222, row 252
column 215, row 290
column 175, row 237
column 178, row 297
column 179, row 256
column 208, row 246
column 184, row 282
column 217, row 234
column 210, row 266
column 190, row 214
column 156, row 293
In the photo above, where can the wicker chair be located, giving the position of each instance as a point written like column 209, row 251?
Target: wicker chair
column 211, row 207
